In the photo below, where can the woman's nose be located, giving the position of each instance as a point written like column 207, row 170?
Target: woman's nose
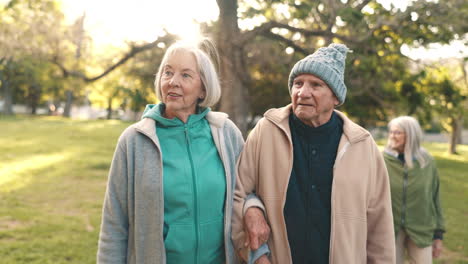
column 174, row 80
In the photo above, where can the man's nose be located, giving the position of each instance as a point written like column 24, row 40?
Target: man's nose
column 304, row 92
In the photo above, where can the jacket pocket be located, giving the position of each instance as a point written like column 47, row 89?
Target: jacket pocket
column 212, row 241
column 179, row 244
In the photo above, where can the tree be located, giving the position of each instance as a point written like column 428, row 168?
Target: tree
column 374, row 33
column 447, row 94
column 31, row 33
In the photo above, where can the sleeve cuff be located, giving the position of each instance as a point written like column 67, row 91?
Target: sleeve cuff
column 252, row 201
column 439, row 234
column 255, row 255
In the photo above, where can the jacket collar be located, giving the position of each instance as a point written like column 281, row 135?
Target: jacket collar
column 216, row 119
column 391, row 152
column 147, row 125
column 280, row 116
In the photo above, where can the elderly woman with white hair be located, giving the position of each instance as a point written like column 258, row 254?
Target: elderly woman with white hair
column 414, row 180
column 170, row 190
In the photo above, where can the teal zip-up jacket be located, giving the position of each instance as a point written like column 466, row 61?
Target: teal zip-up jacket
column 415, row 198
column 135, row 226
column 194, row 188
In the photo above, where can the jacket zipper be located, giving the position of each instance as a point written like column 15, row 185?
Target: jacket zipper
column 405, row 187
column 195, row 194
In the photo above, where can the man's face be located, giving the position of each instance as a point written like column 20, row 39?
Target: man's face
column 312, row 100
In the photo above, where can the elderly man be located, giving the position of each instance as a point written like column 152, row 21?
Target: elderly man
column 316, row 176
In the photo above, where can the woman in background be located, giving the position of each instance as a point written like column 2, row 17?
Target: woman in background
column 170, row 189
column 414, row 181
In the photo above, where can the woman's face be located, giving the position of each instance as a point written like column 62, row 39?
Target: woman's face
column 181, row 86
column 397, row 138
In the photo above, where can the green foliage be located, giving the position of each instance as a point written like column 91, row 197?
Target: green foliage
column 445, row 92
column 378, row 76
column 33, row 35
column 53, row 174
column 269, row 87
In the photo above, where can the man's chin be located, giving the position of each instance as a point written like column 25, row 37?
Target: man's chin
column 304, row 117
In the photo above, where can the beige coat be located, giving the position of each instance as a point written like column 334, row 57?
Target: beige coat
column 361, row 213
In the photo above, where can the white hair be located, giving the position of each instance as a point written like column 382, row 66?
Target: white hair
column 206, row 69
column 413, row 134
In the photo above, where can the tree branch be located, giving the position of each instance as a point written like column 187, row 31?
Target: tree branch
column 332, row 18
column 266, row 27
column 288, row 42
column 362, row 5
column 134, row 50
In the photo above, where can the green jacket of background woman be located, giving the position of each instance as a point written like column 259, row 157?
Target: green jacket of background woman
column 415, row 198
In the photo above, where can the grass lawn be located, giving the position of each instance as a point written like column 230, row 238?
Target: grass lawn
column 53, row 174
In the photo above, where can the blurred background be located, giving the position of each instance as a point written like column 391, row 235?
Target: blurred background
column 74, row 74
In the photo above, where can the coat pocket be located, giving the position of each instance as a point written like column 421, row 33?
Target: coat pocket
column 212, row 241
column 180, row 243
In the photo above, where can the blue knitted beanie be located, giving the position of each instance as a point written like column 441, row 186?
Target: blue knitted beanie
column 327, row 63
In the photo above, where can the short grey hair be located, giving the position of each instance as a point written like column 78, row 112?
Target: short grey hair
column 207, row 61
column 413, row 138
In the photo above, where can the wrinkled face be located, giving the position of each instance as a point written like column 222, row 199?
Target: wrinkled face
column 181, row 86
column 397, row 138
column 312, row 100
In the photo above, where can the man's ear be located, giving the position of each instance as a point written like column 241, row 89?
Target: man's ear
column 337, row 102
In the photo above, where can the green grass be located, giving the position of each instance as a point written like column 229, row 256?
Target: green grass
column 53, row 175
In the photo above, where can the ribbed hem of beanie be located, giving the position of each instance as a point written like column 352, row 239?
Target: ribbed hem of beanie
column 321, row 70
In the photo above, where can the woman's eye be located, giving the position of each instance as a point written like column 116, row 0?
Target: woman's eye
column 186, row 75
column 168, row 73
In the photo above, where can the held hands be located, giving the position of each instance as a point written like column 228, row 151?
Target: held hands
column 436, row 248
column 256, row 229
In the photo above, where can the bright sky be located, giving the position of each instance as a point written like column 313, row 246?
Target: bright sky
column 112, row 22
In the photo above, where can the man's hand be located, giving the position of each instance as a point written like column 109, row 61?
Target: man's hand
column 436, row 248
column 256, row 228
column 263, row 260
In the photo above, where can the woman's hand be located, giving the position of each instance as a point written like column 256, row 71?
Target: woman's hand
column 436, row 248
column 263, row 260
column 256, row 228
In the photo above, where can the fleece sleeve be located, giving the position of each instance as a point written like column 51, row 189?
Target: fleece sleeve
column 380, row 232
column 113, row 238
column 440, row 228
column 246, row 183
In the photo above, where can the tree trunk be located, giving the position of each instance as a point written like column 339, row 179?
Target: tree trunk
column 460, row 131
column 7, row 91
column 454, row 123
column 234, row 76
column 68, row 103
column 34, row 96
column 109, row 108
column 7, row 97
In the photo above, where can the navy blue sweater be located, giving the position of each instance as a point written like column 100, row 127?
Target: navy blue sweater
column 308, row 200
